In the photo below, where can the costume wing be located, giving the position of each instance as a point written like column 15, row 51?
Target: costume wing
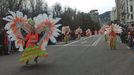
column 117, row 28
column 48, row 26
column 104, row 29
column 107, row 29
column 16, row 22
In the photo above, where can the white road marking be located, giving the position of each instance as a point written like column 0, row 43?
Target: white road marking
column 69, row 45
column 77, row 41
column 97, row 41
column 83, row 41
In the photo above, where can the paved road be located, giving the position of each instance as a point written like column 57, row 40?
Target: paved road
column 88, row 56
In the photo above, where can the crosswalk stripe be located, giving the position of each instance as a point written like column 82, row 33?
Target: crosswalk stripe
column 97, row 41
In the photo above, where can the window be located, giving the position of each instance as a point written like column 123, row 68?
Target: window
column 131, row 8
column 132, row 16
column 127, row 16
column 127, row 9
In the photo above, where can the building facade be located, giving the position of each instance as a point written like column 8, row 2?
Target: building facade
column 131, row 12
column 125, row 11
column 118, row 9
column 113, row 14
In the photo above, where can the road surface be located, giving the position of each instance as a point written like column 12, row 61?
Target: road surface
column 88, row 56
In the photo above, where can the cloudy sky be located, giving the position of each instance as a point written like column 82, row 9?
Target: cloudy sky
column 85, row 5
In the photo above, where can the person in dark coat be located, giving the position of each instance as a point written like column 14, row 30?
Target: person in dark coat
column 5, row 43
column 123, row 36
column 1, row 41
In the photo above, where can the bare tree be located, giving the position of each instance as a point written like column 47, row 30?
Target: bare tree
column 3, row 7
column 37, row 7
column 15, row 5
column 57, row 9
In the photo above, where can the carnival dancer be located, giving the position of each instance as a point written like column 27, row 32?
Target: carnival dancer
column 88, row 32
column 32, row 50
column 105, row 30
column 112, row 39
column 66, row 31
column 78, row 33
column 95, row 32
column 112, row 32
column 35, row 47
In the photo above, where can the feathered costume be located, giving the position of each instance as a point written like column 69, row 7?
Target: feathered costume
column 104, row 30
column 66, row 31
column 78, row 33
column 111, row 31
column 95, row 32
column 43, row 24
column 88, row 32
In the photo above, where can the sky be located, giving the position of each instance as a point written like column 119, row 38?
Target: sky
column 85, row 5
